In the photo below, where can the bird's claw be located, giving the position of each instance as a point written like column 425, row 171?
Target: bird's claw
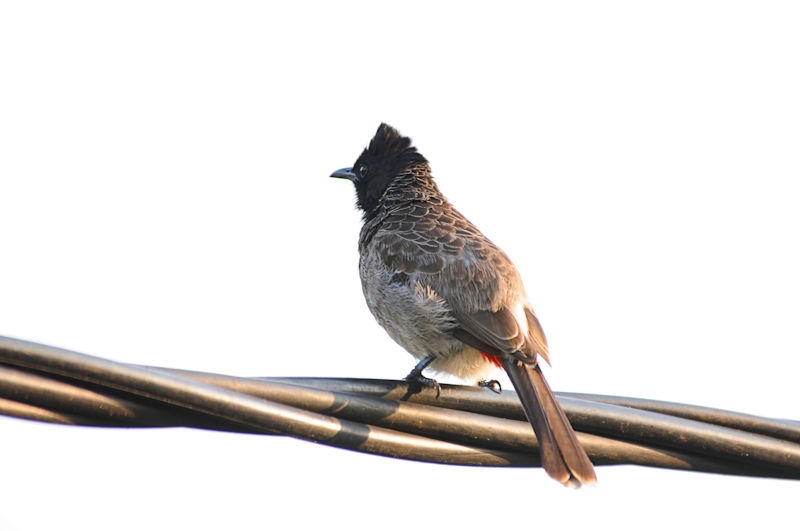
column 491, row 385
column 416, row 381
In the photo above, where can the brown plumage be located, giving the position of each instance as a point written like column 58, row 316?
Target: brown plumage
column 450, row 296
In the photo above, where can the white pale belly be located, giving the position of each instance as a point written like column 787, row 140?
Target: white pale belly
column 419, row 321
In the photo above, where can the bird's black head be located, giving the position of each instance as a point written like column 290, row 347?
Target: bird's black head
column 388, row 155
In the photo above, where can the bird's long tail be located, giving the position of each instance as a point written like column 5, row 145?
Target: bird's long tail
column 563, row 457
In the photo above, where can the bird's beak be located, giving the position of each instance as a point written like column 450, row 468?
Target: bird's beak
column 344, row 173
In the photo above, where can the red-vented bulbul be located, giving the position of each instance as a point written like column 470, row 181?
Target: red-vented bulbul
column 449, row 296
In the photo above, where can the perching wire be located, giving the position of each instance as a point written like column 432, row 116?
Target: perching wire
column 463, row 426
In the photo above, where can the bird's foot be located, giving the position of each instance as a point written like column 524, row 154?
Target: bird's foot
column 416, row 381
column 491, row 385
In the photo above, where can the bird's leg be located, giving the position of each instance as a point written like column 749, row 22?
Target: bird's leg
column 492, row 385
column 416, row 380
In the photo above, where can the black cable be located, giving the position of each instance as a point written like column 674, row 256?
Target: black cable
column 464, row 425
column 244, row 409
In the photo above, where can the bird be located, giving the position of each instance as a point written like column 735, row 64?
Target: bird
column 450, row 296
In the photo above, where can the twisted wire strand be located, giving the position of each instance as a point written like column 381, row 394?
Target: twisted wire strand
column 464, row 425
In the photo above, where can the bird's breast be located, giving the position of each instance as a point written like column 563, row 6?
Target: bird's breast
column 410, row 311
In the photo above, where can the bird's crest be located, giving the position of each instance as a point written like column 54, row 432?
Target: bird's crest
column 389, row 144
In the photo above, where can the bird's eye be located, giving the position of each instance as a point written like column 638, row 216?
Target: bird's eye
column 362, row 171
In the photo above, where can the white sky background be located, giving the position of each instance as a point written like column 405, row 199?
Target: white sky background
column 165, row 200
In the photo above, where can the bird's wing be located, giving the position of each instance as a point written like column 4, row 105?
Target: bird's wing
column 502, row 332
column 441, row 249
